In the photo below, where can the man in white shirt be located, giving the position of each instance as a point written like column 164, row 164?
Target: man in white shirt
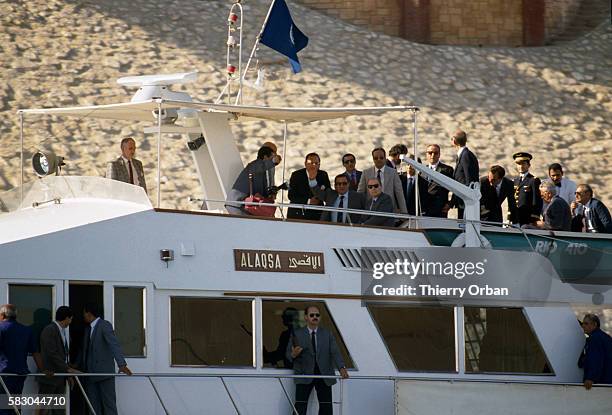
column 566, row 188
column 126, row 168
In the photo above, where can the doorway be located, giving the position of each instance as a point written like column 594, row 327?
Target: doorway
column 79, row 294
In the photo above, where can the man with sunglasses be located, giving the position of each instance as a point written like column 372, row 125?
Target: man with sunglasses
column 378, row 202
column 341, row 198
column 437, row 201
column 388, row 179
column 350, row 162
column 589, row 214
column 314, row 351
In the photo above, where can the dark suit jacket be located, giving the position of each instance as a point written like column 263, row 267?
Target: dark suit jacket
column 557, row 216
column 300, row 192
column 596, row 358
column 491, row 203
column 528, row 200
column 600, row 218
column 328, row 355
column 355, row 201
column 437, row 196
column 101, row 351
column 466, row 170
column 382, row 204
column 355, row 185
column 53, row 354
column 409, row 196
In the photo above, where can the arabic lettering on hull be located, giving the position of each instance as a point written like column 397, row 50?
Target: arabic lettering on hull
column 279, row 261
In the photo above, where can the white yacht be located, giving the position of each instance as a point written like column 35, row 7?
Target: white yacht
column 202, row 301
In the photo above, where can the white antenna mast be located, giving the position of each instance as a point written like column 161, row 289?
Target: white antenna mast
column 234, row 29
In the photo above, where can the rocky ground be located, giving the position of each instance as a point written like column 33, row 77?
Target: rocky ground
column 552, row 101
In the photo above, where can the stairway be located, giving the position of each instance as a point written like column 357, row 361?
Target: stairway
column 590, row 14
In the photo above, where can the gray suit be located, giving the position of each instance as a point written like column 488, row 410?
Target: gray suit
column 99, row 356
column 382, row 204
column 328, row 355
column 557, row 215
column 392, row 185
column 117, row 170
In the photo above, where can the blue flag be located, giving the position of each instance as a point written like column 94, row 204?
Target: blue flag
column 282, row 35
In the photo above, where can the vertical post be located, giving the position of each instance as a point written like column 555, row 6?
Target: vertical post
column 159, row 133
column 21, row 156
column 284, row 163
column 341, row 396
column 257, row 39
column 416, row 186
column 460, row 339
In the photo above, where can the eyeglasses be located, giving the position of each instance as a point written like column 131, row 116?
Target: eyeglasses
column 581, row 193
column 348, row 161
column 311, row 315
column 373, row 186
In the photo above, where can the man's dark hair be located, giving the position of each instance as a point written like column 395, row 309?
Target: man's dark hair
column 460, row 138
column 348, row 155
column 398, row 149
column 340, row 176
column 92, row 308
column 63, row 313
column 593, row 318
column 556, row 167
column 498, row 171
column 379, row 149
column 264, row 152
column 311, row 155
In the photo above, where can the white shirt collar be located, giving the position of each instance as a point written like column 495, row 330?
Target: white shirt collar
column 93, row 323
column 460, row 151
column 434, row 166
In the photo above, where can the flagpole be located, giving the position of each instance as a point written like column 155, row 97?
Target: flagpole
column 257, row 40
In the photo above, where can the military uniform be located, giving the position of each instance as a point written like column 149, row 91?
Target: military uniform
column 526, row 195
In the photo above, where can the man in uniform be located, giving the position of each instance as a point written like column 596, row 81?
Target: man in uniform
column 526, row 192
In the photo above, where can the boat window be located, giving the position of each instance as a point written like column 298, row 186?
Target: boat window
column 34, row 305
column 211, row 332
column 500, row 340
column 418, row 338
column 280, row 318
column 130, row 320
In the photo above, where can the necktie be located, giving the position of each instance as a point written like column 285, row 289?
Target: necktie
column 340, row 217
column 410, row 189
column 354, row 178
column 313, row 341
column 558, row 184
column 66, row 349
column 130, row 170
column 378, row 177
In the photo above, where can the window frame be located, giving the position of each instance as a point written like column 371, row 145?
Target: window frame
column 534, row 332
column 428, row 305
column 217, row 298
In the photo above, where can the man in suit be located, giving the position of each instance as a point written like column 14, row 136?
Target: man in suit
column 349, row 162
column 54, row 352
column 101, row 350
column 302, row 186
column 341, row 198
column 126, row 168
column 494, row 189
column 313, row 351
column 557, row 215
column 410, row 179
column 437, row 203
column 526, row 192
column 388, row 177
column 378, row 202
column 596, row 357
column 466, row 168
column 262, row 178
column 566, row 188
column 16, row 341
column 589, row 214
column 395, row 154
